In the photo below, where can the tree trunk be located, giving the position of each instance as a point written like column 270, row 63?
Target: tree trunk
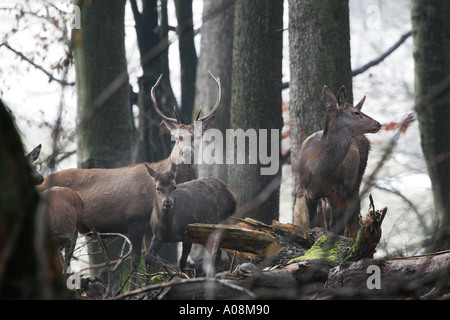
column 188, row 58
column 216, row 51
column 153, row 140
column 105, row 128
column 256, row 95
column 431, row 36
column 319, row 51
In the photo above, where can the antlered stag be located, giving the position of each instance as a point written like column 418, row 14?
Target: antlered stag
column 333, row 161
column 121, row 200
column 205, row 200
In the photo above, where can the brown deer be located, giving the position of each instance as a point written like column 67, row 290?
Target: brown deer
column 63, row 208
column 121, row 200
column 333, row 161
column 205, row 200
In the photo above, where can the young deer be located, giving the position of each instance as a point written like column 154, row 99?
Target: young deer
column 333, row 161
column 206, row 200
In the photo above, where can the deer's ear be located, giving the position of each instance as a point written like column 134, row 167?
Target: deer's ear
column 360, row 103
column 342, row 97
column 151, row 172
column 328, row 97
column 34, row 154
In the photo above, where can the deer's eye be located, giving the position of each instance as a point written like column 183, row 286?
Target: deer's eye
column 356, row 113
column 158, row 189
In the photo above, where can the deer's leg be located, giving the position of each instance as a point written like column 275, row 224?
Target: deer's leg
column 311, row 204
column 338, row 205
column 352, row 216
column 155, row 245
column 136, row 236
column 187, row 245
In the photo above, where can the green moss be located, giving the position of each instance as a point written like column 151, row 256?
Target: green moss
column 354, row 253
column 327, row 250
column 159, row 278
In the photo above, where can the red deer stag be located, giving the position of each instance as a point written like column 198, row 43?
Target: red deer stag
column 121, row 200
column 333, row 161
column 206, row 200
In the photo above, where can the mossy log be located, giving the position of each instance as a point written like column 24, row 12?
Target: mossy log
column 287, row 243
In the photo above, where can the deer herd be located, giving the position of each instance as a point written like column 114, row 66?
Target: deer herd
column 167, row 195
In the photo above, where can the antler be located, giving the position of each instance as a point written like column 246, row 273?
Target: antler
column 216, row 106
column 155, row 105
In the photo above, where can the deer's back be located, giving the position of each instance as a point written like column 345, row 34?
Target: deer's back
column 205, row 200
column 112, row 197
column 319, row 172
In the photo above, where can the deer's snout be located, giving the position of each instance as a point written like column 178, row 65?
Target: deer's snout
column 167, row 203
column 376, row 127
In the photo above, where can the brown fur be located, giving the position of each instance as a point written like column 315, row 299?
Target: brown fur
column 333, row 161
column 206, row 200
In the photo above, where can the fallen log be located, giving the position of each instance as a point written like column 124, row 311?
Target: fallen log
column 424, row 276
column 287, row 243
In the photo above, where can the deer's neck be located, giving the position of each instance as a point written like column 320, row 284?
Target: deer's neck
column 186, row 172
column 335, row 147
column 163, row 221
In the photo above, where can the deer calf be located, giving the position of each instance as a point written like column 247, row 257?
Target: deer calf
column 206, row 200
column 333, row 161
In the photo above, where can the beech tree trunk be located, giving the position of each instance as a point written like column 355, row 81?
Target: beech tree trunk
column 105, row 127
column 431, row 37
column 216, row 51
column 256, row 93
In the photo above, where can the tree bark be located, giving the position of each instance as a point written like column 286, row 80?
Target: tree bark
column 216, row 51
column 105, row 128
column 188, row 58
column 431, row 38
column 153, row 140
column 319, row 51
column 256, row 93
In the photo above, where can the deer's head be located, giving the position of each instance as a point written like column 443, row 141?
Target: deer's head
column 341, row 115
column 183, row 134
column 165, row 186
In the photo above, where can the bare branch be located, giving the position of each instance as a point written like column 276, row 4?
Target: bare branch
column 21, row 55
column 383, row 56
